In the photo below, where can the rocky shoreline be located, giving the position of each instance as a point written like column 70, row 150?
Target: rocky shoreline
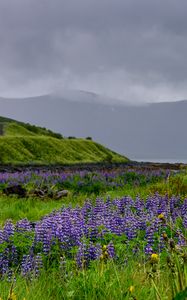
column 92, row 166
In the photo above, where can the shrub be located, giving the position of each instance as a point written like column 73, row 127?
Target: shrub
column 109, row 158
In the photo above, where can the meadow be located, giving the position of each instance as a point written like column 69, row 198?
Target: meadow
column 118, row 234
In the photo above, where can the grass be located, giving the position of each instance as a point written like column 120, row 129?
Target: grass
column 33, row 209
column 101, row 281
column 135, row 279
column 48, row 150
column 28, row 144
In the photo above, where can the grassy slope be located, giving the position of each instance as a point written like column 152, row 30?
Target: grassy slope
column 22, row 144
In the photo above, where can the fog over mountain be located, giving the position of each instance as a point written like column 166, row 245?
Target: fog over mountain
column 124, row 49
column 131, row 50
column 146, row 131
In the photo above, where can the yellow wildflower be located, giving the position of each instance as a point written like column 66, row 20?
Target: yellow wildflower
column 154, row 257
column 161, row 217
column 131, row 289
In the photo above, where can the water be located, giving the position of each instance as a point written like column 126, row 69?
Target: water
column 163, row 160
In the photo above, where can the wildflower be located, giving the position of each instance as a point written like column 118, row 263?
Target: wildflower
column 111, row 250
column 105, row 253
column 154, row 258
column 148, row 249
column 131, row 289
column 161, row 217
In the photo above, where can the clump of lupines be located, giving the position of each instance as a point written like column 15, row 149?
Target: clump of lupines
column 91, row 232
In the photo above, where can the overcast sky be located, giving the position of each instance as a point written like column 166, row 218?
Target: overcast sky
column 129, row 49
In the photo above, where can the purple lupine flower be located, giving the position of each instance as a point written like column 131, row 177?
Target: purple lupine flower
column 27, row 265
column 8, row 230
column 38, row 264
column 23, row 225
column 111, row 250
column 4, row 263
column 148, row 249
column 82, row 257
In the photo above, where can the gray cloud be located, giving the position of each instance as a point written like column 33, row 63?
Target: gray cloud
column 129, row 49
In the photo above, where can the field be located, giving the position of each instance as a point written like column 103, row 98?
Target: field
column 118, row 233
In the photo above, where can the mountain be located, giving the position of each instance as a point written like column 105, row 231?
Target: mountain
column 22, row 143
column 146, row 131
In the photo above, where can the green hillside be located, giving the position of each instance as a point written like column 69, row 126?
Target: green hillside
column 22, row 143
column 15, row 128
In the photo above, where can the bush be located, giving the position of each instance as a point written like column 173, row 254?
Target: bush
column 109, row 158
column 42, row 130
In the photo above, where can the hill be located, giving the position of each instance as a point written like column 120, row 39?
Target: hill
column 22, row 143
column 151, row 131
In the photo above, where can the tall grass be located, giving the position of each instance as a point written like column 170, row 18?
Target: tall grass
column 33, row 209
column 100, row 281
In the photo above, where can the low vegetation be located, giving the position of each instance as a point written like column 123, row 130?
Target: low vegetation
column 112, row 237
